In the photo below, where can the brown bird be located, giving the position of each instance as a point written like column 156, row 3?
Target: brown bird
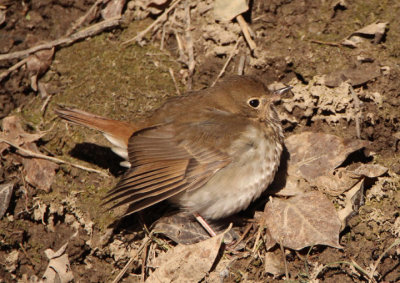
column 212, row 152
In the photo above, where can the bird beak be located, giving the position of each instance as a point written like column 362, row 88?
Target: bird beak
column 283, row 90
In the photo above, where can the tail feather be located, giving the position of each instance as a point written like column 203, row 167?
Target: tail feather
column 117, row 132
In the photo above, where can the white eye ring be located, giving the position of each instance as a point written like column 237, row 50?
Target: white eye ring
column 254, row 102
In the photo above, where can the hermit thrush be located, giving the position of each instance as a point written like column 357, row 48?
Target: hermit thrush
column 213, row 151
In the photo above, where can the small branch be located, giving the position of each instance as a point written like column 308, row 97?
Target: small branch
column 163, row 16
column 325, row 43
column 246, row 33
column 189, row 45
column 87, row 32
column 371, row 274
column 132, row 258
column 356, row 103
column 233, row 53
column 29, row 153
column 171, row 72
column 13, row 68
column 82, row 19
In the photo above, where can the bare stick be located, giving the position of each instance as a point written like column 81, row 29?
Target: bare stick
column 325, row 43
column 82, row 19
column 159, row 19
column 12, row 68
column 371, row 274
column 30, row 153
column 356, row 103
column 133, row 257
column 189, row 44
column 284, row 260
column 233, row 53
column 242, row 60
column 171, row 72
column 87, row 32
column 246, row 33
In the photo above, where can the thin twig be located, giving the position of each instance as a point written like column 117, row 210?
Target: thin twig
column 82, row 19
column 30, row 153
column 87, row 32
column 240, row 69
column 284, row 260
column 247, row 230
column 356, row 103
column 12, row 68
column 233, row 53
column 133, row 257
column 163, row 16
column 325, row 43
column 246, row 33
column 189, row 45
column 371, row 274
column 171, row 72
column 257, row 239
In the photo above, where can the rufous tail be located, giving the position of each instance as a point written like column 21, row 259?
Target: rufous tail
column 117, row 132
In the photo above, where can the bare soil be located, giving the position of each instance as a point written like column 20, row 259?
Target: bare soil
column 100, row 75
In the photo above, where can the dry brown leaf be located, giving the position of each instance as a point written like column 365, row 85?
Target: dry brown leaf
column 113, row 9
column 187, row 263
column 226, row 10
column 183, row 229
column 13, row 131
column 336, row 182
column 6, row 190
column 369, row 170
column 375, row 30
column 2, row 16
column 357, row 76
column 37, row 64
column 38, row 172
column 317, row 154
column 59, row 269
column 273, row 263
column 303, row 220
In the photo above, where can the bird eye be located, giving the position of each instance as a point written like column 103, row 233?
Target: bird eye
column 254, row 102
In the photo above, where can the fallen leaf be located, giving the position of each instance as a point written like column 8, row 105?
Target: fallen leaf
column 369, row 170
column 226, row 10
column 317, row 154
column 5, row 196
column 354, row 199
column 273, row 263
column 187, row 263
column 183, row 229
column 356, row 76
column 113, row 9
column 336, row 182
column 375, row 30
column 58, row 269
column 303, row 220
column 38, row 172
column 37, row 64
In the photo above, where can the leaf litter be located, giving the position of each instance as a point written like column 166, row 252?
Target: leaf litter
column 324, row 99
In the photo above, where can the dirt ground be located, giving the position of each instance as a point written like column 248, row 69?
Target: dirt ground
column 297, row 41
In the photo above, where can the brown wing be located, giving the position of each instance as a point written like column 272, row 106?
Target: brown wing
column 163, row 165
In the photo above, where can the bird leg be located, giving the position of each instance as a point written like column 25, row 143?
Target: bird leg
column 204, row 224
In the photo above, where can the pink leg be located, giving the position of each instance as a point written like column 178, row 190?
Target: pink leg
column 204, row 224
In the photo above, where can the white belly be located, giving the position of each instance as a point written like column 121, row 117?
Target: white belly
column 235, row 186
